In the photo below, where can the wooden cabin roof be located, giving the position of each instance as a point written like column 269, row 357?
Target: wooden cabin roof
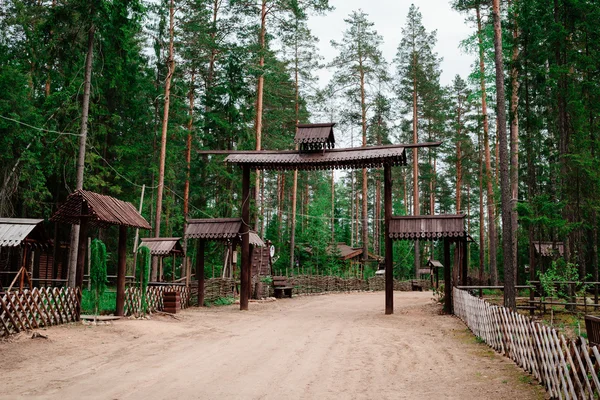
column 359, row 157
column 434, row 264
column 102, row 211
column 163, row 246
column 14, row 231
column 315, row 136
column 219, row 229
column 549, row 249
column 428, row 227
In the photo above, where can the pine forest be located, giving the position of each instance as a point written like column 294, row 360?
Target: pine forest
column 121, row 97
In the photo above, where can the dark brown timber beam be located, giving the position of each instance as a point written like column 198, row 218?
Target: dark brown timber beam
column 447, row 278
column 245, row 272
column 389, row 251
column 200, row 272
column 121, row 270
column 391, row 146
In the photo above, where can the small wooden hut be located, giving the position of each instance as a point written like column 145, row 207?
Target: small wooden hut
column 25, row 254
column 87, row 208
column 434, row 268
column 164, row 247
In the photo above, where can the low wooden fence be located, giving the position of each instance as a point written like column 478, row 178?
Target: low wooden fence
column 37, row 308
column 306, row 284
column 567, row 368
column 154, row 298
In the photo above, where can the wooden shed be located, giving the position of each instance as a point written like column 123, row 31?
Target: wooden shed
column 25, row 249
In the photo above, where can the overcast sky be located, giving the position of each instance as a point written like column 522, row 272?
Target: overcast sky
column 389, row 16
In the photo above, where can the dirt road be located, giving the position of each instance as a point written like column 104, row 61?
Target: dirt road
column 337, row 346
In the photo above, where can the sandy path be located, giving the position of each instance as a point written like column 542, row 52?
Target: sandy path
column 326, row 347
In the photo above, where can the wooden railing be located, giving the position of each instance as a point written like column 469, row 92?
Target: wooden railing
column 37, row 308
column 154, row 298
column 567, row 368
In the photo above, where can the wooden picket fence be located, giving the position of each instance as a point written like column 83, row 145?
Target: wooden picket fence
column 37, row 308
column 154, row 298
column 567, row 368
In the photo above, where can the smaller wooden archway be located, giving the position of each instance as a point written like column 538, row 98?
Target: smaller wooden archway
column 449, row 228
column 87, row 208
column 216, row 229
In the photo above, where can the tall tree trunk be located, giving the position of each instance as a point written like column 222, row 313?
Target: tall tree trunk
column 188, row 161
column 481, row 214
column 365, row 217
column 85, row 109
column 514, row 138
column 488, row 159
column 259, row 101
column 459, row 154
column 163, row 140
column 416, row 206
column 507, row 239
column 531, row 176
column 295, row 182
column 377, row 220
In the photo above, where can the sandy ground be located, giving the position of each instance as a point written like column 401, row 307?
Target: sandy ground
column 338, row 346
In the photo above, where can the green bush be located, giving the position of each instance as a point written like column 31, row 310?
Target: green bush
column 142, row 274
column 106, row 304
column 221, row 301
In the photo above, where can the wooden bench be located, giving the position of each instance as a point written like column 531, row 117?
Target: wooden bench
column 281, row 287
column 592, row 327
column 416, row 286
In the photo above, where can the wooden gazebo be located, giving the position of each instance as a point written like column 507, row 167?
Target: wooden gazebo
column 229, row 230
column 317, row 153
column 449, row 228
column 164, row 247
column 86, row 209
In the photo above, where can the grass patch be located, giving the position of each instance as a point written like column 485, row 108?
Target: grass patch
column 221, row 301
column 108, row 302
column 526, row 379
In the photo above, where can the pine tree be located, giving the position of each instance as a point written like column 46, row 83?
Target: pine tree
column 417, row 72
column 357, row 64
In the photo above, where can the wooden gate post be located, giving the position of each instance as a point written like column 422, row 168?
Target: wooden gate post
column 464, row 260
column 389, row 250
column 200, row 272
column 245, row 272
column 447, row 278
column 83, row 222
column 121, row 270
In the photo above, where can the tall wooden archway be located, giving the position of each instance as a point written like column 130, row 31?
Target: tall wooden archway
column 317, row 153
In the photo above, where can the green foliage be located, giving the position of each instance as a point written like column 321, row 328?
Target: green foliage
column 221, row 301
column 98, row 272
column 143, row 273
column 553, row 280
